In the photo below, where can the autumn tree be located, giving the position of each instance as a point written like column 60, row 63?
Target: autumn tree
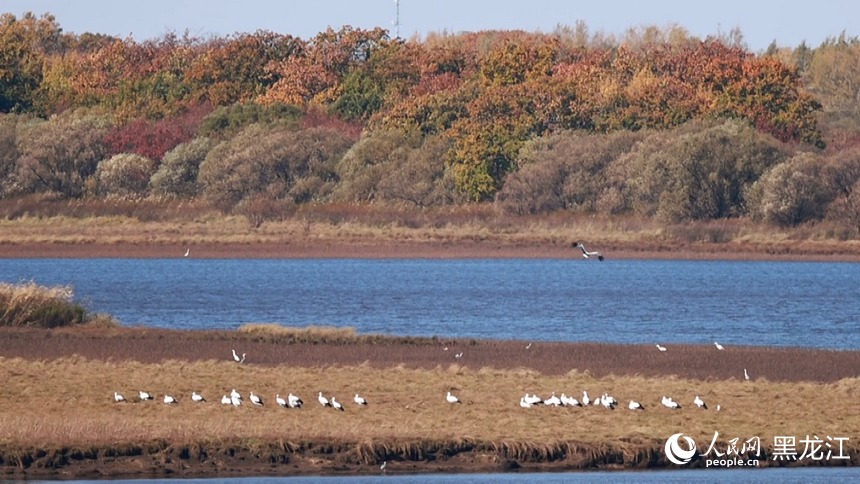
column 24, row 44
column 59, row 155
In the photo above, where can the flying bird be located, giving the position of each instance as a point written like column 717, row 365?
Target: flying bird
column 451, row 398
column 586, row 254
column 118, row 398
column 719, row 346
column 359, row 400
column 196, row 397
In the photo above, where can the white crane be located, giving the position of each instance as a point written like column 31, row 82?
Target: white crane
column 196, row 397
column 255, row 399
column 280, row 400
column 633, row 405
column 323, row 400
column 118, row 398
column 169, row 400
column 359, row 400
column 586, row 254
column 719, row 346
column 235, row 401
column 225, row 400
column 187, row 252
column 525, row 403
column 451, row 398
column 336, row 405
column 553, row 400
column 746, row 375
column 669, row 403
column 533, row 399
column 294, row 401
column 237, row 358
column 235, row 394
column 700, row 403
column 661, row 348
column 144, row 395
column 585, row 400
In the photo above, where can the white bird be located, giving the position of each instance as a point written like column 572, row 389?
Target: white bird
column 719, row 346
column 718, row 407
column 585, row 400
column 118, row 398
column 382, row 467
column 528, row 346
column 256, row 400
column 661, row 348
column 169, row 399
column 336, row 405
column 280, row 400
column 669, row 403
column 323, row 400
column 525, row 403
column 236, row 357
column 700, row 403
column 145, row 395
column 359, row 399
column 586, row 254
column 294, row 401
column 197, row 397
column 608, row 401
column 451, row 398
column 533, row 399
column 237, row 402
column 235, row 394
column 459, row 355
column 225, row 400
column 746, row 375
column 187, row 252
column 553, row 400
column 635, row 405
column 569, row 401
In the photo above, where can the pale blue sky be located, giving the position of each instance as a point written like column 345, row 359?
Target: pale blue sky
column 787, row 21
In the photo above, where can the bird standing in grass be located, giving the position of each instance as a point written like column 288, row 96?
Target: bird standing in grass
column 236, row 357
column 661, row 348
column 280, row 400
column 336, row 405
column 118, row 398
column 323, row 400
column 256, row 400
column 294, row 401
column 145, row 395
column 746, row 375
column 451, row 398
column 700, row 403
column 633, row 405
column 719, row 346
column 359, row 400
column 196, row 397
column 169, row 400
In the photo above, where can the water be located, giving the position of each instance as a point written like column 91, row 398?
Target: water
column 809, row 304
column 806, row 475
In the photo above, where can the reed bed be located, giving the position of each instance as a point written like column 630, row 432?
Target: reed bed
column 31, row 305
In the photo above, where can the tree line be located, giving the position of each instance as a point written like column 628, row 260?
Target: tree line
column 656, row 122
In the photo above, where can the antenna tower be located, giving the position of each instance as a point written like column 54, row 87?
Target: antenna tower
column 396, row 21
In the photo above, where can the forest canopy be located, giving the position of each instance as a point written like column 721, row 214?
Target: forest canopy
column 656, row 123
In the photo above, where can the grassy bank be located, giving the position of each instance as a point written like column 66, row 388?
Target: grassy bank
column 68, row 403
column 355, row 230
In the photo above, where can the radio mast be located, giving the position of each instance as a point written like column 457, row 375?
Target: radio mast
column 396, row 20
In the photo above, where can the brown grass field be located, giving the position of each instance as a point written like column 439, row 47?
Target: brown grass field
column 58, row 416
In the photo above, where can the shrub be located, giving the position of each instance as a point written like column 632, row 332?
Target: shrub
column 177, row 174
column 32, row 305
column 124, row 174
column 792, row 192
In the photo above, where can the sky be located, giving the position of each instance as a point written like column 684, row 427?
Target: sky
column 788, row 22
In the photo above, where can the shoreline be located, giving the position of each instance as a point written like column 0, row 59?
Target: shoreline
column 492, row 249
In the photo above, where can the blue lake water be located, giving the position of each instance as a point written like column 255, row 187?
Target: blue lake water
column 810, row 304
column 807, row 475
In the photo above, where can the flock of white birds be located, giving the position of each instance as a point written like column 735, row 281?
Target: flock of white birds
column 526, row 401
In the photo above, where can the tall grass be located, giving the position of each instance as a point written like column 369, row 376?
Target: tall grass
column 31, row 305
